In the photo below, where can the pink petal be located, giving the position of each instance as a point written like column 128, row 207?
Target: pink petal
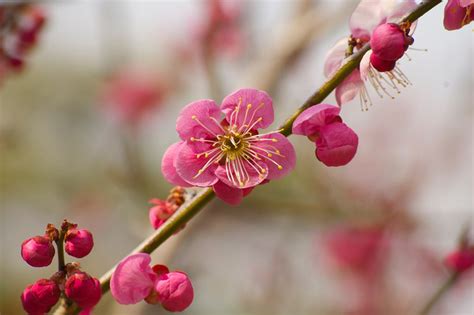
column 252, row 180
column 175, row 291
column 465, row 3
column 364, row 65
column 348, row 89
column 454, row 15
column 312, row 119
column 228, row 194
column 367, row 16
column 252, row 105
column 281, row 156
column 133, row 279
column 188, row 164
column 334, row 57
column 198, row 120
column 336, row 145
column 394, row 10
column 168, row 167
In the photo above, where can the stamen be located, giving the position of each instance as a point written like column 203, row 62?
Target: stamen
column 213, row 159
column 245, row 117
column 202, row 125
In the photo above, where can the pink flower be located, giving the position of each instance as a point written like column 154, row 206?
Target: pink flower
column 78, row 243
column 356, row 248
column 458, row 13
column 38, row 251
column 381, row 65
column 228, row 153
column 366, row 17
column 389, row 42
column 134, row 280
column 83, row 289
column 160, row 212
column 460, row 260
column 40, row 297
column 336, row 143
column 131, row 95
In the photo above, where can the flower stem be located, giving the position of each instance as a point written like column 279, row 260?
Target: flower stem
column 453, row 277
column 190, row 209
column 60, row 246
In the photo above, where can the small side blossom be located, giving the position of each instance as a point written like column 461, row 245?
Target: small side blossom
column 336, row 143
column 458, row 13
column 38, row 251
column 83, row 289
column 40, row 297
column 160, row 212
column 228, row 153
column 78, row 242
column 135, row 280
column 461, row 259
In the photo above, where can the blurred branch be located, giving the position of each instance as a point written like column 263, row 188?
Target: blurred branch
column 453, row 277
column 190, row 209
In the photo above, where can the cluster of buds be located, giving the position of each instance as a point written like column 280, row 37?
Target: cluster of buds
column 78, row 286
column 162, row 210
column 19, row 29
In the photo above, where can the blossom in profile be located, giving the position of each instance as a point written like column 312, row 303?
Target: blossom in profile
column 135, row 280
column 368, row 15
column 160, row 212
column 336, row 143
column 221, row 146
column 40, row 297
column 458, row 13
column 130, row 95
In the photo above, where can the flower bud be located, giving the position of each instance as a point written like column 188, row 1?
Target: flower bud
column 83, row 289
column 382, row 65
column 175, row 291
column 38, row 251
column 160, row 212
column 78, row 243
column 389, row 42
column 40, row 297
column 336, row 144
column 460, row 260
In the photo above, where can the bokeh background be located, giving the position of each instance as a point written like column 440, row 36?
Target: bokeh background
column 367, row 238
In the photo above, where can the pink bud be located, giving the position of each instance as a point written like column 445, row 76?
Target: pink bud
column 160, row 212
column 388, row 41
column 78, row 243
column 175, row 291
column 382, row 65
column 336, row 144
column 37, row 251
column 38, row 298
column 83, row 289
column 460, row 260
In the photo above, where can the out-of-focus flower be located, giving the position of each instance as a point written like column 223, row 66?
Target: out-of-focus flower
column 228, row 153
column 461, row 259
column 336, row 143
column 83, row 289
column 131, row 95
column 38, row 251
column 160, row 212
column 40, row 297
column 134, row 280
column 458, row 13
column 368, row 15
column 78, row 242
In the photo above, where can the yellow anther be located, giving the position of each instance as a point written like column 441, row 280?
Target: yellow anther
column 280, row 167
column 249, row 105
column 192, row 139
column 193, row 117
column 274, row 140
column 269, row 155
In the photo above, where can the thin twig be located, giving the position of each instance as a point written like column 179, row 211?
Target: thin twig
column 439, row 293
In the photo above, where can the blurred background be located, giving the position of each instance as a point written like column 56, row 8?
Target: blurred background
column 85, row 122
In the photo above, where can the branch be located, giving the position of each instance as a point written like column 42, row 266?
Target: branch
column 439, row 293
column 205, row 195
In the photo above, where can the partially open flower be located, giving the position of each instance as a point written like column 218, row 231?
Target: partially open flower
column 134, row 280
column 389, row 42
column 38, row 251
column 336, row 143
column 160, row 212
column 175, row 291
column 40, row 297
column 78, row 243
column 458, row 13
column 83, row 289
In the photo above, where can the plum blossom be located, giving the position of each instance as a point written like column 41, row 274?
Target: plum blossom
column 227, row 152
column 336, row 143
column 40, row 297
column 38, row 251
column 458, row 13
column 368, row 15
column 135, row 280
column 461, row 259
